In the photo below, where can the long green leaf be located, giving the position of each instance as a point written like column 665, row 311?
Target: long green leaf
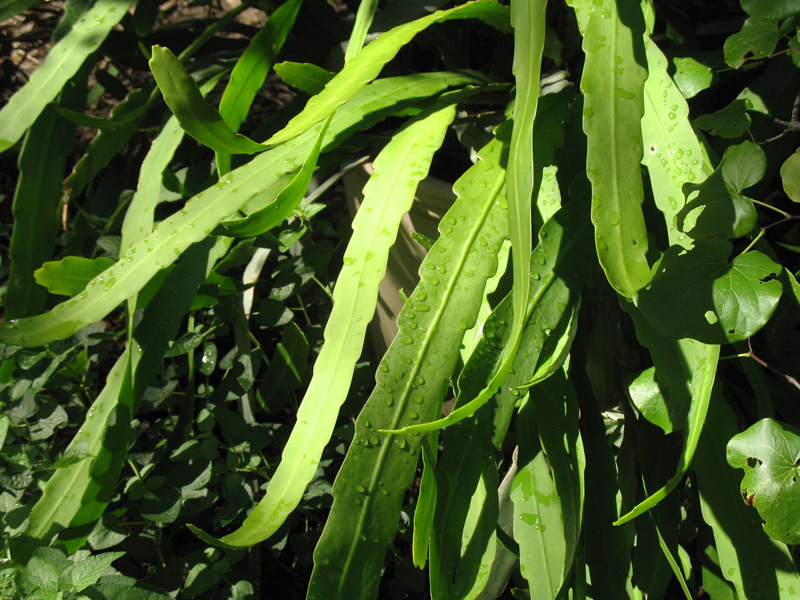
column 528, row 20
column 688, row 368
column 426, row 501
column 387, row 197
column 252, row 69
column 58, row 67
column 367, row 64
column 565, row 243
column 78, row 494
column 411, row 384
column 36, row 218
column 548, row 492
column 197, row 117
column 203, row 212
column 612, row 83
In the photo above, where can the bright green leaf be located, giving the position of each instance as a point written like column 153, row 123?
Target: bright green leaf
column 698, row 294
column 729, row 122
column 306, row 77
column 691, row 76
column 726, row 211
column 769, row 453
column 197, row 117
column 650, row 399
column 69, row 276
column 88, row 570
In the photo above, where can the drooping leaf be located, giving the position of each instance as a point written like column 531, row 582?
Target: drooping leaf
column 757, row 39
column 205, row 211
column 698, row 294
column 612, row 84
column 251, row 71
column 790, row 176
column 61, row 63
column 724, row 209
column 306, row 77
column 691, row 76
column 650, row 399
column 366, row 65
column 769, row 454
column 197, row 117
column 426, row 501
column 411, row 383
column 672, row 154
column 36, row 216
column 387, row 197
column 68, row 276
column 729, row 122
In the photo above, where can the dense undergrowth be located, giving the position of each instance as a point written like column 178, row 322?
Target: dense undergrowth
column 591, row 390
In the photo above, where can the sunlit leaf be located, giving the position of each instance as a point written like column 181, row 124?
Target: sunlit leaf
column 691, row 76
column 700, row 295
column 68, row 277
column 723, row 208
column 757, row 39
column 769, row 453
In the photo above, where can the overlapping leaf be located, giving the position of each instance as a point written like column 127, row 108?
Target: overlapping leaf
column 412, row 381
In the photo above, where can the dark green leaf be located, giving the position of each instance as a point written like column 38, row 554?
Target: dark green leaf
column 725, row 210
column 775, row 9
column 790, row 174
column 769, row 453
column 757, row 39
column 729, row 122
column 197, row 117
column 698, row 294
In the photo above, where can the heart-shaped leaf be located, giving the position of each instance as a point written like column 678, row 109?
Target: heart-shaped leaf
column 775, row 9
column 698, row 294
column 757, row 39
column 790, row 175
column 724, row 210
column 769, row 453
column 729, row 122
column 691, row 76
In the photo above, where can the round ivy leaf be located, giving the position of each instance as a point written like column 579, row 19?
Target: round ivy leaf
column 769, row 453
column 790, row 175
column 698, row 294
column 723, row 209
column 691, row 76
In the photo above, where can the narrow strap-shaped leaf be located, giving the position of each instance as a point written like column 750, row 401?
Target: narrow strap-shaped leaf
column 204, row 212
column 548, row 495
column 528, row 19
column 61, row 63
column 411, row 382
column 42, row 163
column 426, row 501
column 612, row 83
column 197, row 117
column 387, row 197
column 688, row 368
column 255, row 63
column 566, row 242
column 78, row 494
column 252, row 68
column 366, row 65
column 306, row 77
column 364, row 16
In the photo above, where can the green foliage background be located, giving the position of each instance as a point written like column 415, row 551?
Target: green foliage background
column 592, row 390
